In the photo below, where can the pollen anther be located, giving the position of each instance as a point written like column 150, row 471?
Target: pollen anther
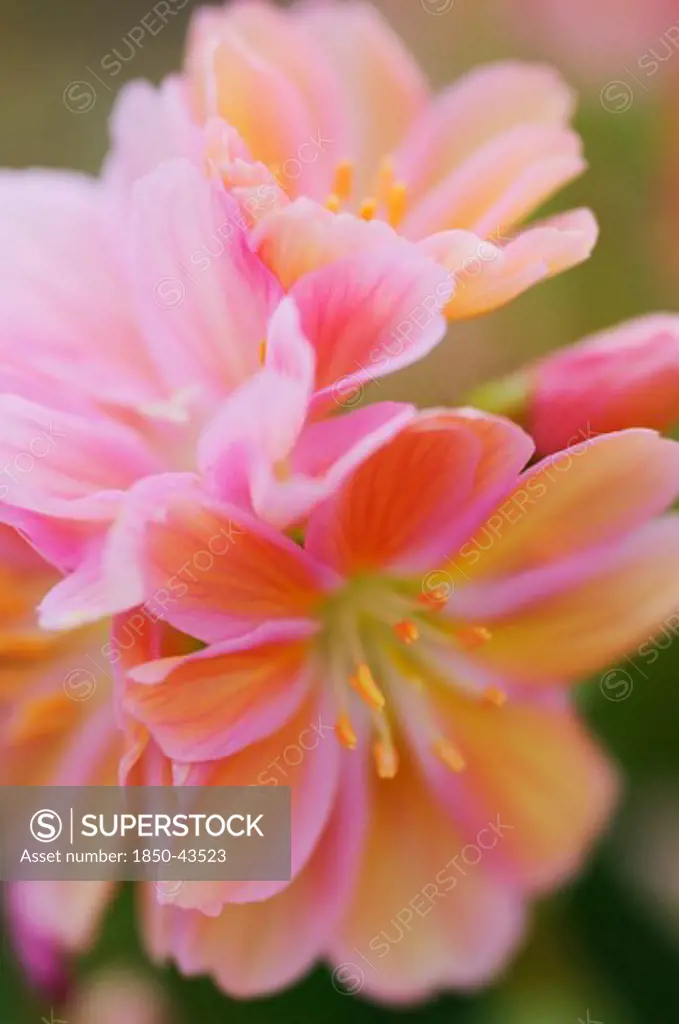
column 364, row 683
column 407, row 631
column 345, row 732
column 386, row 758
column 450, row 755
column 368, row 209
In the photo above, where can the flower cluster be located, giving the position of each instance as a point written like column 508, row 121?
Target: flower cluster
column 199, row 504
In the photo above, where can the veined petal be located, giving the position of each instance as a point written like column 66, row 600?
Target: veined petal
column 488, row 276
column 247, row 949
column 231, row 78
column 204, row 298
column 313, row 779
column 212, row 704
column 484, row 104
column 210, row 569
column 573, row 501
column 458, row 464
column 65, row 297
column 541, row 789
column 583, row 625
column 501, row 184
column 371, row 314
column 465, row 927
column 385, row 89
column 305, row 236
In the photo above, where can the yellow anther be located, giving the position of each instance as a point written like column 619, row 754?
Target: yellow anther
column 386, row 758
column 386, row 177
column 345, row 732
column 493, row 695
column 263, row 346
column 407, row 631
column 364, row 684
column 368, row 209
column 333, row 203
column 344, row 180
column 450, row 755
column 396, row 203
column 473, row 637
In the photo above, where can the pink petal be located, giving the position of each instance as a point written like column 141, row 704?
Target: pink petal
column 487, row 276
column 420, row 495
column 419, row 923
column 64, row 286
column 500, row 184
column 371, row 314
column 627, row 376
column 247, row 949
column 483, row 105
column 212, row 704
column 385, row 89
column 204, row 298
column 150, row 125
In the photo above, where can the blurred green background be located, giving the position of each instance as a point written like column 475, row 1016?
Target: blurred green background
column 607, row 948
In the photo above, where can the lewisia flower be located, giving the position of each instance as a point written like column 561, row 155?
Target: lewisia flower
column 425, row 633
column 335, row 114
column 627, row 376
column 199, row 356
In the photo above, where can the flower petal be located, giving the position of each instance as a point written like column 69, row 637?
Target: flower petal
column 247, row 949
column 451, row 931
column 584, row 623
column 501, row 184
column 487, row 276
column 64, row 285
column 540, row 787
column 216, row 702
column 371, row 314
column 384, row 88
column 204, row 298
column 421, row 492
column 627, row 376
column 483, row 105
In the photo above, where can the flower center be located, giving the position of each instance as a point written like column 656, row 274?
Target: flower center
column 380, row 635
column 389, row 200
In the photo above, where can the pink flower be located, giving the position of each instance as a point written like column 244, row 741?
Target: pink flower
column 440, row 604
column 627, row 376
column 166, row 345
column 335, row 113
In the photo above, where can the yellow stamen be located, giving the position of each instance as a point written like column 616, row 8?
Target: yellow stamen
column 473, row 637
column 333, row 203
column 364, row 684
column 344, row 180
column 407, row 631
column 396, row 204
column 493, row 695
column 386, row 177
column 345, row 732
column 450, row 755
column 386, row 758
column 263, row 346
column 368, row 209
